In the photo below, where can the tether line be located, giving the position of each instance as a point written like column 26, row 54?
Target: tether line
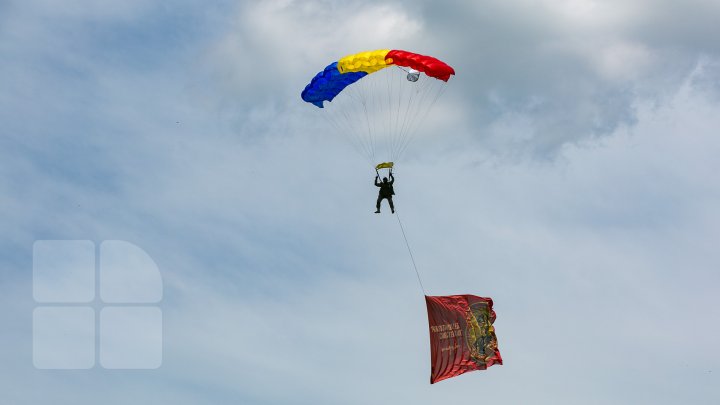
column 410, row 251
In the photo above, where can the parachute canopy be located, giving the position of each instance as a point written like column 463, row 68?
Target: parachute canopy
column 338, row 75
column 378, row 97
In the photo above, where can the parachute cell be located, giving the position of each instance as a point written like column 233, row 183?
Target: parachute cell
column 367, row 62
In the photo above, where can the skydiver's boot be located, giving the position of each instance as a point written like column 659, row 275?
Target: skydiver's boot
column 378, row 211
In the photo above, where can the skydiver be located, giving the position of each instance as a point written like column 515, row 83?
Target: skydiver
column 386, row 191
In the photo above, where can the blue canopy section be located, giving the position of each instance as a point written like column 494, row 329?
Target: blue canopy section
column 328, row 84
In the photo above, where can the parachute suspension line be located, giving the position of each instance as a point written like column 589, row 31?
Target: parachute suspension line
column 340, row 119
column 396, row 79
column 358, row 109
column 411, row 255
column 423, row 89
column 429, row 87
column 345, row 131
column 436, row 88
column 394, row 133
column 369, row 107
column 409, row 106
column 370, row 133
column 361, row 98
column 404, row 125
column 377, row 104
column 343, row 118
column 388, row 122
column 415, row 107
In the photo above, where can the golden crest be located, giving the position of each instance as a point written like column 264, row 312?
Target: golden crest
column 480, row 334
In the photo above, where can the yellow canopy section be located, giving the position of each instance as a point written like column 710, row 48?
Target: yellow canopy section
column 369, row 62
column 386, row 165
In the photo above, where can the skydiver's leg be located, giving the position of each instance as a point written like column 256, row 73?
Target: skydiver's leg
column 377, row 205
column 392, row 206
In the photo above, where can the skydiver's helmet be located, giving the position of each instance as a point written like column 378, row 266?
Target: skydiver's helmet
column 413, row 75
column 385, row 180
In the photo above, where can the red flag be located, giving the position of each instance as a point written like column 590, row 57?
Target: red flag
column 462, row 336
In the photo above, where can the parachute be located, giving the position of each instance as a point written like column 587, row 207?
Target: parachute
column 377, row 99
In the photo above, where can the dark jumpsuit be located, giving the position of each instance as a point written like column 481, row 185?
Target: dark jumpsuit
column 386, row 191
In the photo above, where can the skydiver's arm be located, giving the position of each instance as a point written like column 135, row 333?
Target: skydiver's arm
column 392, row 178
column 376, row 181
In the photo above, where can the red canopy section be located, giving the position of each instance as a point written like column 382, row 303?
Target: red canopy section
column 432, row 67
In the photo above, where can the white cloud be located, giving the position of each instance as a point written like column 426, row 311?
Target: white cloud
column 602, row 262
column 287, row 42
column 588, row 62
column 623, row 61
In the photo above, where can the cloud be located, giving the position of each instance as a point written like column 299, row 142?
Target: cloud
column 273, row 47
column 572, row 71
column 574, row 189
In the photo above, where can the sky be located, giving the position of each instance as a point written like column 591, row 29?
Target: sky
column 567, row 172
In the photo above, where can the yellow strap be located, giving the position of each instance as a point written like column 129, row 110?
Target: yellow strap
column 386, row 165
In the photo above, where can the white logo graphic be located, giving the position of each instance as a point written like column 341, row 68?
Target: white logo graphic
column 73, row 327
